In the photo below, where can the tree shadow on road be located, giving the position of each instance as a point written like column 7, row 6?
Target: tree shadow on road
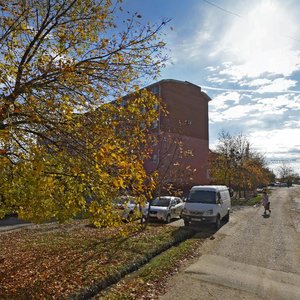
column 12, row 220
column 204, row 230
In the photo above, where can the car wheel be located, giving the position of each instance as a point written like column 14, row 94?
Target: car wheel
column 186, row 222
column 218, row 222
column 130, row 216
column 226, row 218
column 143, row 220
column 168, row 219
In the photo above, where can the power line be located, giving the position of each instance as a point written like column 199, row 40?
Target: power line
column 282, row 160
column 248, row 90
column 239, row 16
column 221, row 8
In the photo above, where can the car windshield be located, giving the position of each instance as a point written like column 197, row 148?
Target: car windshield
column 161, row 202
column 199, row 196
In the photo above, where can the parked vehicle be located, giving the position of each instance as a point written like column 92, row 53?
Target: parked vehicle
column 207, row 204
column 130, row 209
column 261, row 189
column 166, row 208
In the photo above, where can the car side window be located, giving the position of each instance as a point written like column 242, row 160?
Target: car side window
column 225, row 195
column 219, row 199
column 178, row 200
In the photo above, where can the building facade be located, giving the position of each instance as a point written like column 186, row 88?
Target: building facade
column 181, row 153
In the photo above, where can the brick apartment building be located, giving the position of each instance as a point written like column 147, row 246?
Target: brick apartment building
column 186, row 122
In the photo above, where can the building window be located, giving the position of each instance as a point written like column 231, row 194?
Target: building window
column 154, row 158
column 188, row 122
column 155, row 90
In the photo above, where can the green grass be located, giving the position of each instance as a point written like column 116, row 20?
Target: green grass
column 151, row 279
column 247, row 202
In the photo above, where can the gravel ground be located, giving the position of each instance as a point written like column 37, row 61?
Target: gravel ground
column 251, row 257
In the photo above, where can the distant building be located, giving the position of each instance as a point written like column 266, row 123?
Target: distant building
column 186, row 123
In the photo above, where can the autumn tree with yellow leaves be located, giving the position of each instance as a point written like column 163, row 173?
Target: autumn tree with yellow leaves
column 65, row 150
column 237, row 165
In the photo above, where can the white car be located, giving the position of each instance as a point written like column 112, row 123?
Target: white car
column 128, row 207
column 166, row 208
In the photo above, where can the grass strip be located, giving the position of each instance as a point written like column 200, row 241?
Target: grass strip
column 178, row 236
column 247, row 202
column 150, row 281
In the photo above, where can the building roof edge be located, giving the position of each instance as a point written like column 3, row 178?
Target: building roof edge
column 181, row 82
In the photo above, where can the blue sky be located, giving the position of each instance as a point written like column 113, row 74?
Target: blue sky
column 246, row 56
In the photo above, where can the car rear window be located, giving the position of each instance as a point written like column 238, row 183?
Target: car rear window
column 201, row 196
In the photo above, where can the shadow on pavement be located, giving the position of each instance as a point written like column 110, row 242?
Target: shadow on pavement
column 203, row 230
column 266, row 216
column 12, row 222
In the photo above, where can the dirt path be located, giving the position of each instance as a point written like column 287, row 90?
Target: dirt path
column 252, row 257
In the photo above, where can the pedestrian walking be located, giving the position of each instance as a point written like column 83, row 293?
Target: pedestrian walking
column 266, row 202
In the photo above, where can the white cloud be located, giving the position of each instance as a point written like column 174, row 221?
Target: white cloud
column 211, row 68
column 278, row 85
column 216, row 79
column 270, row 86
column 278, row 146
column 288, row 101
column 275, row 142
column 227, row 63
column 232, row 113
column 258, row 43
column 256, row 82
column 253, row 123
column 257, row 65
column 222, row 106
column 223, row 100
column 292, row 123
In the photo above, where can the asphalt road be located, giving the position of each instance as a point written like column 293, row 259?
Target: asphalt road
column 12, row 223
column 251, row 257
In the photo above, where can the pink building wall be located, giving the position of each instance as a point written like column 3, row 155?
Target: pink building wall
column 187, row 119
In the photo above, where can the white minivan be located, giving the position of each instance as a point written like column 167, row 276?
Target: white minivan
column 207, row 204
